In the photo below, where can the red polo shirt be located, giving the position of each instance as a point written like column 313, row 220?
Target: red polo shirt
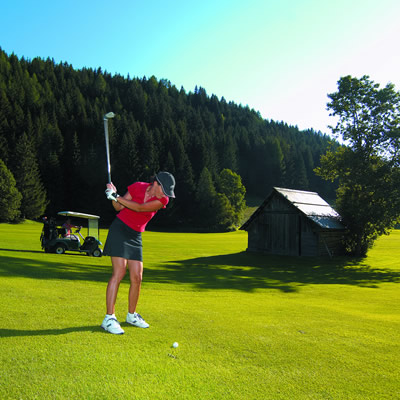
column 139, row 220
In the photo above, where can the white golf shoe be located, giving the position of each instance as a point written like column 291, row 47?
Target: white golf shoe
column 136, row 319
column 110, row 324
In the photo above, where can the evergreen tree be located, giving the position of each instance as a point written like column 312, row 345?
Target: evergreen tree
column 28, row 181
column 124, row 152
column 147, row 153
column 5, row 110
column 181, row 167
column 74, row 175
column 205, row 198
column 52, row 178
column 10, row 197
column 227, row 150
column 301, row 178
column 295, row 171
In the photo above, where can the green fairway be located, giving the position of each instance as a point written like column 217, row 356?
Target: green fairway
column 248, row 326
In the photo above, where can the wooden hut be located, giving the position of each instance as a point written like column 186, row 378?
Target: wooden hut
column 296, row 223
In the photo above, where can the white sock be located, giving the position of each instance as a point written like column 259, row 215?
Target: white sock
column 111, row 316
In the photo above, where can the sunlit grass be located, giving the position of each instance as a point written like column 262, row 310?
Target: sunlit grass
column 248, row 326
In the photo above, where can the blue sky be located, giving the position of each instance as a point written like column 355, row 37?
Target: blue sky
column 280, row 57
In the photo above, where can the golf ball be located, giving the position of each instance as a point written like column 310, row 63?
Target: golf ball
column 175, row 345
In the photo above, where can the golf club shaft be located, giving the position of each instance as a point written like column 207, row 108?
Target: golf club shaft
column 107, row 149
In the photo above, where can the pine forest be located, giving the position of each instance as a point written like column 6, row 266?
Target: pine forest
column 53, row 153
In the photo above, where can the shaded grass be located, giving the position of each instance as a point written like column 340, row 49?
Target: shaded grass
column 249, row 326
column 169, row 259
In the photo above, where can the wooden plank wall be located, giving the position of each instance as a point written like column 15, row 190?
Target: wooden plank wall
column 281, row 229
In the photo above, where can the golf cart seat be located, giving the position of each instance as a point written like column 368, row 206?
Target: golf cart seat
column 61, row 232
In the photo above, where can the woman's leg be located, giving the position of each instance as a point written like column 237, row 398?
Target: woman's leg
column 135, row 274
column 119, row 270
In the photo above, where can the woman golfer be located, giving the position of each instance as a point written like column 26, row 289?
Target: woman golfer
column 124, row 241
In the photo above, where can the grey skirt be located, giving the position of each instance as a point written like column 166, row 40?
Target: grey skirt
column 123, row 241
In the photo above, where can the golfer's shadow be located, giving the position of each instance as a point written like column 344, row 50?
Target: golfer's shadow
column 49, row 332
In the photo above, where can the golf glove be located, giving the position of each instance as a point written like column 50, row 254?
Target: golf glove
column 111, row 195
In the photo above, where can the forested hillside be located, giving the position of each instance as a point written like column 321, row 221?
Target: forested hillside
column 52, row 141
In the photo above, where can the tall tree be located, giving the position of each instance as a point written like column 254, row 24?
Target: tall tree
column 147, row 153
column 10, row 197
column 28, row 180
column 5, row 110
column 368, row 168
column 224, row 214
column 230, row 185
column 205, row 197
column 74, row 175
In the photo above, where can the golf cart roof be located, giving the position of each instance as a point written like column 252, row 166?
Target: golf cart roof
column 77, row 214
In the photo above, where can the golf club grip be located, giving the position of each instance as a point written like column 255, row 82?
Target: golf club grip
column 107, row 149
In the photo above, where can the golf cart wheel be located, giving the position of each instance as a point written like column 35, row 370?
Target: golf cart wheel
column 59, row 249
column 96, row 253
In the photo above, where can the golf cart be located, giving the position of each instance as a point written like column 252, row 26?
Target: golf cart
column 58, row 239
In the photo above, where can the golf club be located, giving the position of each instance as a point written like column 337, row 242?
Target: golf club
column 106, row 117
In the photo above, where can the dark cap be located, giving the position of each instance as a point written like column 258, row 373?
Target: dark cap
column 167, row 182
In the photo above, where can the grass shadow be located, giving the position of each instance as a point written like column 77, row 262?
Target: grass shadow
column 238, row 271
column 247, row 272
column 49, row 332
column 41, row 269
column 22, row 251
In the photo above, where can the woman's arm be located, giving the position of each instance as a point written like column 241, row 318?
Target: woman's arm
column 126, row 201
column 117, row 205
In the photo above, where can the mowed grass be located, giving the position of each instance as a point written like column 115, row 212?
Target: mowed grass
column 248, row 326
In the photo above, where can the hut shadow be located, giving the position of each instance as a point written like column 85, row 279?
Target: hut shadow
column 248, row 272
